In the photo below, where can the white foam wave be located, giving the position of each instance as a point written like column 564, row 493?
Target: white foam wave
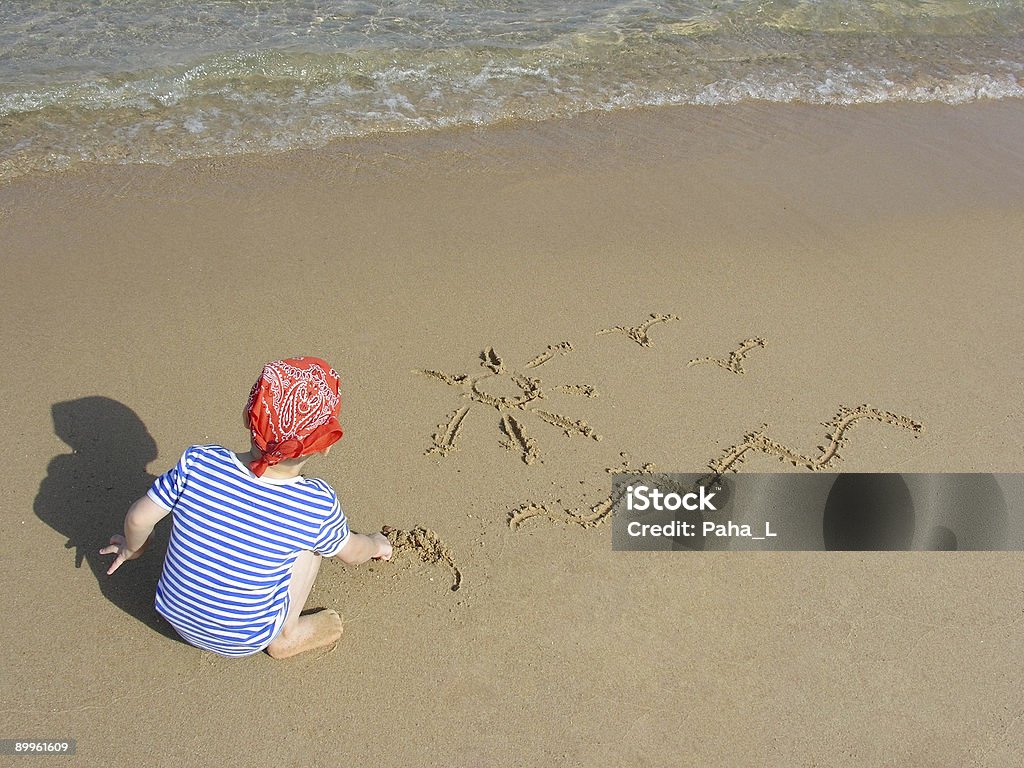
column 254, row 103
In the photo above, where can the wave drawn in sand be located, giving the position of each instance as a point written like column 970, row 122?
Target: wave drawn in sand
column 844, row 420
column 757, row 442
column 590, row 517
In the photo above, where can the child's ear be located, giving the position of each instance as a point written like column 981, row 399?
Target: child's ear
column 245, row 418
column 327, row 450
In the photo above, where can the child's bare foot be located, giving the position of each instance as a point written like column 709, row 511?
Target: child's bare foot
column 314, row 630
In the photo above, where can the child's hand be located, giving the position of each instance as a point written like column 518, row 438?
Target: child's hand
column 118, row 546
column 383, row 546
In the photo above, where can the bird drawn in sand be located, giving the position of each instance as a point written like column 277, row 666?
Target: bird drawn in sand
column 639, row 333
column 734, row 363
column 513, row 394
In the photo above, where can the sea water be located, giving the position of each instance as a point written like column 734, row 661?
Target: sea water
column 152, row 82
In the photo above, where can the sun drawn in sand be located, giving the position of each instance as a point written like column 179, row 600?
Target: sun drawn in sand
column 512, row 394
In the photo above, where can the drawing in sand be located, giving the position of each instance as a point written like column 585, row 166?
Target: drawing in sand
column 513, row 394
column 757, row 442
column 734, row 363
column 426, row 545
column 639, row 333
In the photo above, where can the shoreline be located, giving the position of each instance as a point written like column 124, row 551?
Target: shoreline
column 715, row 130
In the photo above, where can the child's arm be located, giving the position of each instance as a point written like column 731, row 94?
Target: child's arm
column 142, row 517
column 359, row 548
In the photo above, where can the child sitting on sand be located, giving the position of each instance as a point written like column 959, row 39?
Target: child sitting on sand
column 248, row 531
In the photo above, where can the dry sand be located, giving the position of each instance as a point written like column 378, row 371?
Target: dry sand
column 874, row 251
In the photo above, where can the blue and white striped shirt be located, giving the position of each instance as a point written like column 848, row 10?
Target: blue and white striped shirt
column 234, row 540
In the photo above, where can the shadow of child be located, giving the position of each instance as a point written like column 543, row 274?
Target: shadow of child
column 87, row 492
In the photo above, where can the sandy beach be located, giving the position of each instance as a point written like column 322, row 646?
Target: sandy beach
column 874, row 250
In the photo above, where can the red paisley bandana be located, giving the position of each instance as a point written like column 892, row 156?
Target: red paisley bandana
column 293, row 410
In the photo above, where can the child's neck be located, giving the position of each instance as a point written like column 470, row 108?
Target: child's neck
column 284, row 471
